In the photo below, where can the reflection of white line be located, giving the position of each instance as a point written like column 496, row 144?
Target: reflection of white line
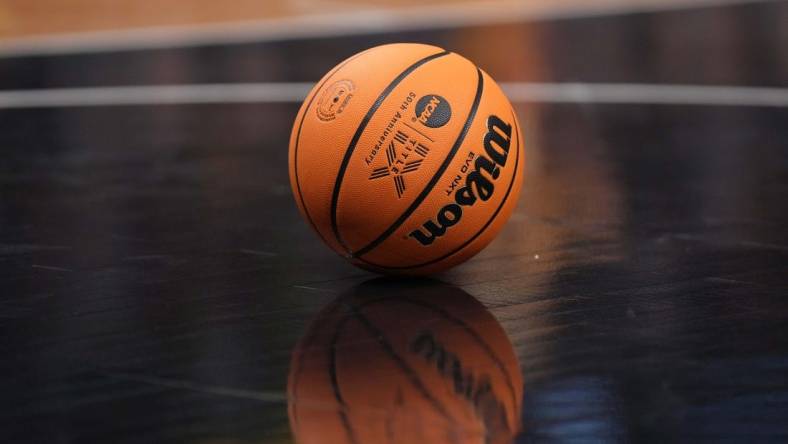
column 198, row 387
column 346, row 22
column 48, row 267
column 258, row 253
column 295, row 92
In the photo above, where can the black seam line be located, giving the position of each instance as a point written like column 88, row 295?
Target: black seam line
column 426, row 191
column 352, row 146
column 419, row 132
column 492, row 218
column 298, row 139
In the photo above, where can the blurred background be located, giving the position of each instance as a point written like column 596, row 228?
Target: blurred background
column 46, row 17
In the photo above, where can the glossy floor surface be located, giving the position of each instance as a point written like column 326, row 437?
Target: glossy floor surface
column 159, row 285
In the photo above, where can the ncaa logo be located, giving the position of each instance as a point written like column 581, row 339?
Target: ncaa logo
column 432, row 111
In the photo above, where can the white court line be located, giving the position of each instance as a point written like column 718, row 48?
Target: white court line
column 646, row 94
column 521, row 92
column 156, row 95
column 362, row 22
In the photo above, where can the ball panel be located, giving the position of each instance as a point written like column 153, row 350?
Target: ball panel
column 441, row 240
column 398, row 155
column 476, row 243
column 295, row 135
column 329, row 120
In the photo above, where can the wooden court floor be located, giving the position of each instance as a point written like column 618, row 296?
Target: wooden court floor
column 156, row 275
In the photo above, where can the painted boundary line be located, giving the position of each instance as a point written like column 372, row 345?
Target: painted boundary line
column 374, row 21
column 519, row 92
column 638, row 93
column 156, row 95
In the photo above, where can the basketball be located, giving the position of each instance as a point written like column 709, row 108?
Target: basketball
column 406, row 159
column 378, row 366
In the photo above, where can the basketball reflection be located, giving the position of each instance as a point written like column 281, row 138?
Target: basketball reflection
column 404, row 362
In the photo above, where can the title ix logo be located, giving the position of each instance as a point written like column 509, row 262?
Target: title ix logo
column 403, row 155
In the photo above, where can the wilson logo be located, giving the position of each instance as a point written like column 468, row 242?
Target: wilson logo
column 432, row 111
column 479, row 183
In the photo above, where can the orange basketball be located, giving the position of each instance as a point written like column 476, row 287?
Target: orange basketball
column 406, row 158
column 378, row 366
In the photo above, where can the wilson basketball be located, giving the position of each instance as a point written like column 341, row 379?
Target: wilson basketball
column 378, row 366
column 406, row 158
